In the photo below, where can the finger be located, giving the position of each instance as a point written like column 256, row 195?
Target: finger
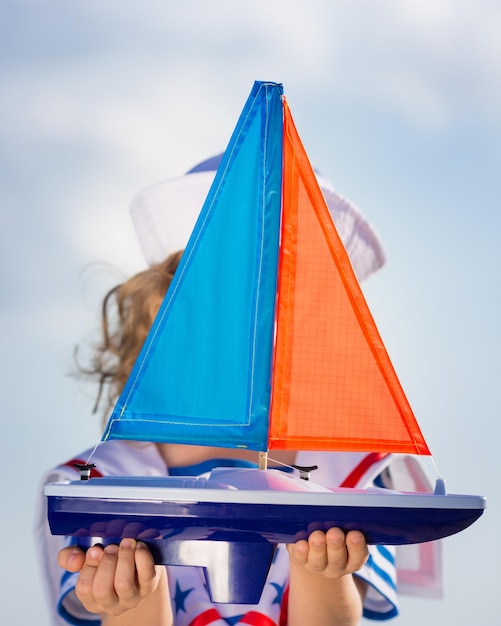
column 109, row 584
column 317, row 555
column 126, row 585
column 298, row 551
column 85, row 582
column 337, row 554
column 146, row 571
column 358, row 552
column 71, row 558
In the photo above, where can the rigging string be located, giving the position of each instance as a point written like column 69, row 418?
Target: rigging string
column 94, row 451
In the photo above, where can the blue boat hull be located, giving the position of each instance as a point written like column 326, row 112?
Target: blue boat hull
column 191, row 523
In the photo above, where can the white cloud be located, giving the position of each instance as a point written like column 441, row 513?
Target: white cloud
column 434, row 60
column 154, row 73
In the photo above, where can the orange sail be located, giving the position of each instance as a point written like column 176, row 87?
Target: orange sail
column 334, row 387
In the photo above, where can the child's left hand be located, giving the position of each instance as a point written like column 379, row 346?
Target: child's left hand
column 332, row 554
column 322, row 589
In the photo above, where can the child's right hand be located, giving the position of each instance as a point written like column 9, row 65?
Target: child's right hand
column 114, row 579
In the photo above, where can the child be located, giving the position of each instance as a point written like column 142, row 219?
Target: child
column 310, row 582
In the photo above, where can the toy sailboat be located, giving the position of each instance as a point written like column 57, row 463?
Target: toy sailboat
column 264, row 341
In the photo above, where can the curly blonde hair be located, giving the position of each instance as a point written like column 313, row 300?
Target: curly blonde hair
column 128, row 311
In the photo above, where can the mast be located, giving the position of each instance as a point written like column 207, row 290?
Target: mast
column 263, row 460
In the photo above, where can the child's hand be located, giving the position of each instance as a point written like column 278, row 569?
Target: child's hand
column 322, row 589
column 112, row 579
column 332, row 554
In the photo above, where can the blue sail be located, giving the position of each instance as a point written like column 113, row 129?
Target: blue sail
column 203, row 375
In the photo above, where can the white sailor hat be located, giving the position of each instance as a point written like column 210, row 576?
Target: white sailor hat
column 164, row 216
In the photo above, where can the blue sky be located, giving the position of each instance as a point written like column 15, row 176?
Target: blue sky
column 397, row 101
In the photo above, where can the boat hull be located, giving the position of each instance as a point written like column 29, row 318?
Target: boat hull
column 396, row 524
column 199, row 523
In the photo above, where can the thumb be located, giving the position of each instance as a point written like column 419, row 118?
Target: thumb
column 71, row 558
